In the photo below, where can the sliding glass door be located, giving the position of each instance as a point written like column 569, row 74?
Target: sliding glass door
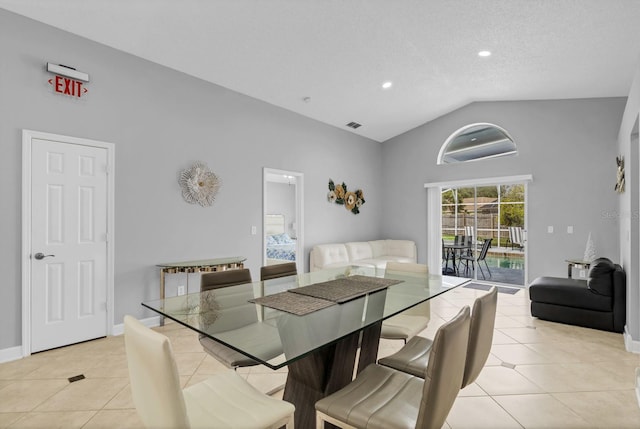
column 483, row 232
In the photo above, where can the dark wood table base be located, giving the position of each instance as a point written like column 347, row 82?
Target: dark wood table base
column 327, row 370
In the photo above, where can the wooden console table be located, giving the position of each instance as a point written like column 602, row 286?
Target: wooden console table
column 200, row 266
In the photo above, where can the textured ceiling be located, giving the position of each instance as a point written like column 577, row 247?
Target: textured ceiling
column 339, row 52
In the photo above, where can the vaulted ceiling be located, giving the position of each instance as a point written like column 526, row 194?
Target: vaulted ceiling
column 328, row 59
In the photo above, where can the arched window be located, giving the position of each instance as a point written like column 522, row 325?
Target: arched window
column 477, row 141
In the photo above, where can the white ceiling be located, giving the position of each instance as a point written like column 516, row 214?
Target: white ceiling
column 339, row 52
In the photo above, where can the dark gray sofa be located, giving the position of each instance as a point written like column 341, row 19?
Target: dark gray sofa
column 598, row 302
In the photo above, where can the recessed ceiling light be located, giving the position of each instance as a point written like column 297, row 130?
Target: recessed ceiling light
column 484, row 53
column 387, row 85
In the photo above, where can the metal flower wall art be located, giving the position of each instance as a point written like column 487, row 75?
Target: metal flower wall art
column 199, row 184
column 339, row 194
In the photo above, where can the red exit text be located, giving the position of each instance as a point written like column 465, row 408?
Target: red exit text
column 67, row 86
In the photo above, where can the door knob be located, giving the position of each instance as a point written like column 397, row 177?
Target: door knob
column 41, row 255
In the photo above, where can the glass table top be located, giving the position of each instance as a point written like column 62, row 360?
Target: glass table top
column 276, row 338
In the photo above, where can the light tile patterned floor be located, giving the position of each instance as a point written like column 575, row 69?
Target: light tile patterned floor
column 540, row 374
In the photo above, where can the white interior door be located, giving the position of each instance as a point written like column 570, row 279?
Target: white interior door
column 69, row 252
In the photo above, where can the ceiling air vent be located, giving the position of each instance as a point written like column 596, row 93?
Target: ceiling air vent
column 354, row 125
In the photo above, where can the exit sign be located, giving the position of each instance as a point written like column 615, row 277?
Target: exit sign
column 68, row 86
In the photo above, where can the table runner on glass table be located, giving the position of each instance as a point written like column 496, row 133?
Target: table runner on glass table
column 293, row 303
column 345, row 289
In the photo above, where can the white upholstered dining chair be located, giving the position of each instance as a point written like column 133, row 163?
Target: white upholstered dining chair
column 225, row 400
column 409, row 323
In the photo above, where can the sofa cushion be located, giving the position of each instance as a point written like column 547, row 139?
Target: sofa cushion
column 568, row 293
column 358, row 250
column 600, row 278
column 330, row 254
column 378, row 248
column 389, row 258
column 370, row 262
column 401, row 248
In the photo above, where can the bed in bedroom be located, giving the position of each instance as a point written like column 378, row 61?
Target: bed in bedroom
column 280, row 246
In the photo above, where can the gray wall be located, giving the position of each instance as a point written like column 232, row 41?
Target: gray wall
column 569, row 146
column 629, row 209
column 161, row 121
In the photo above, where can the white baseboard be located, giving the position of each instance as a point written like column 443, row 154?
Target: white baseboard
column 15, row 353
column 12, row 353
column 630, row 344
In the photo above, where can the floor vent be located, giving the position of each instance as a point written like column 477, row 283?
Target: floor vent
column 76, row 378
column 354, row 125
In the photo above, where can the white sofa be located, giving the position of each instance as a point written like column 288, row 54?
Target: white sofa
column 362, row 253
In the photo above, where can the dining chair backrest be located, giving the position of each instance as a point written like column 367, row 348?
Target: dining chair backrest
column 485, row 248
column 155, row 385
column 469, row 231
column 516, row 235
column 219, row 279
column 480, row 335
column 228, row 307
column 278, row 270
column 459, row 239
column 423, row 310
column 445, row 371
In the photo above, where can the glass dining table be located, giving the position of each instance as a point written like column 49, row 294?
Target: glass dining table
column 313, row 323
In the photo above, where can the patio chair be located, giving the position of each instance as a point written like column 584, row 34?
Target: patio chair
column 516, row 237
column 470, row 232
column 446, row 255
column 481, row 257
column 462, row 240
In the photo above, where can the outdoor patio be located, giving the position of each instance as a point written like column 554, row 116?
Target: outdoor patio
column 506, row 266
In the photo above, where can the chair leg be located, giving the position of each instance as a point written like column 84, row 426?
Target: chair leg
column 480, row 266
column 485, row 262
column 322, row 417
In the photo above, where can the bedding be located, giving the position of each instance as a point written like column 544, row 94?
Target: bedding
column 281, row 246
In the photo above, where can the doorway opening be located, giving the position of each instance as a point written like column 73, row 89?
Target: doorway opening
column 283, row 220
